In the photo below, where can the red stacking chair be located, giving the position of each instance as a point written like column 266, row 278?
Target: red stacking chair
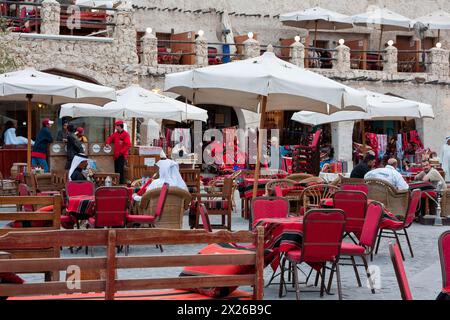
column 24, row 191
column 205, row 217
column 80, row 188
column 366, row 243
column 400, row 273
column 151, row 220
column 444, row 254
column 323, row 230
column 355, row 187
column 111, row 207
column 268, row 207
column 354, row 204
column 389, row 227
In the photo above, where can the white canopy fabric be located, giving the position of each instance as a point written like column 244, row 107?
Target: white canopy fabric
column 97, row 3
column 389, row 20
column 379, row 107
column 438, row 20
column 316, row 17
column 244, row 83
column 51, row 89
column 137, row 102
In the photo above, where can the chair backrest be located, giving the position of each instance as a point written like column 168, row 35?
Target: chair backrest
column 323, row 231
column 278, row 191
column 444, row 254
column 413, row 205
column 80, row 188
column 205, row 217
column 111, row 205
column 312, row 181
column 282, row 183
column 313, row 195
column 269, row 207
column 354, row 204
column 316, row 138
column 24, row 191
column 371, row 225
column 299, row 176
column 355, row 187
column 400, row 273
column 162, row 200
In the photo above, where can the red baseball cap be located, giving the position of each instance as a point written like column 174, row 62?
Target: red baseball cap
column 119, row 122
column 80, row 130
column 47, row 122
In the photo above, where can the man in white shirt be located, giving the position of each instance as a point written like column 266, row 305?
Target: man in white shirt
column 389, row 174
column 445, row 158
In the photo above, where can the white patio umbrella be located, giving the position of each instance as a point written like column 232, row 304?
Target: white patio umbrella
column 437, row 20
column 31, row 85
column 109, row 4
column 387, row 20
column 316, row 18
column 136, row 102
column 379, row 107
column 268, row 82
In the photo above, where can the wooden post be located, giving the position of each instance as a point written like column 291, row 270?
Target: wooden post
column 363, row 129
column 262, row 124
column 29, row 106
column 315, row 34
column 111, row 263
column 259, row 281
column 133, row 132
column 380, row 56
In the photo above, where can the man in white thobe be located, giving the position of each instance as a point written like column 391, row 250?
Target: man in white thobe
column 445, row 158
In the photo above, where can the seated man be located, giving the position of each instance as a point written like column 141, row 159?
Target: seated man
column 10, row 137
column 364, row 167
column 169, row 172
column 78, row 170
column 389, row 174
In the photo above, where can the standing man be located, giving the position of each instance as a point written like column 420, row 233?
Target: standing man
column 62, row 134
column 122, row 145
column 74, row 146
column 39, row 152
column 445, row 158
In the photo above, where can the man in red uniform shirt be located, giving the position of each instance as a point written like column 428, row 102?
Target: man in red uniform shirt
column 122, row 144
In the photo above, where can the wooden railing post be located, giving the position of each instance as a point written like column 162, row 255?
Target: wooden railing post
column 259, row 274
column 111, row 264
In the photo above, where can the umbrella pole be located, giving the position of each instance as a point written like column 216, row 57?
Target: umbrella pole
column 133, row 132
column 29, row 97
column 315, row 34
column 439, row 35
column 262, row 124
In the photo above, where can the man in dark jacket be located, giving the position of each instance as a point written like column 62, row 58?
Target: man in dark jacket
column 74, row 146
column 39, row 152
column 365, row 166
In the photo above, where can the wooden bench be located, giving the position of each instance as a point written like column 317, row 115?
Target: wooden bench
column 46, row 250
column 111, row 263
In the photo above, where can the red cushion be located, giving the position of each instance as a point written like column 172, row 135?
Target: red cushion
column 328, row 202
column 217, row 292
column 8, row 277
column 351, row 249
column 294, row 255
column 391, row 224
column 140, row 219
column 68, row 222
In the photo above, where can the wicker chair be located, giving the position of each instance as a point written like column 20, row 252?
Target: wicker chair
column 8, row 187
column 312, row 196
column 394, row 200
column 445, row 204
column 345, row 180
column 299, row 176
column 312, row 180
column 177, row 202
column 270, row 186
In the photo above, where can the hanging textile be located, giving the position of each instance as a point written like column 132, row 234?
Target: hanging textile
column 400, row 147
column 183, row 137
column 372, row 141
column 382, row 145
column 414, row 138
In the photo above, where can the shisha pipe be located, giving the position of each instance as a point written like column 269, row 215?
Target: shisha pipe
column 437, row 218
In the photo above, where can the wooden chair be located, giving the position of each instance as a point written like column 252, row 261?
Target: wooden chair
column 8, row 187
column 382, row 191
column 37, row 221
column 445, row 204
column 109, row 287
column 99, row 179
column 219, row 204
column 192, row 179
column 177, row 202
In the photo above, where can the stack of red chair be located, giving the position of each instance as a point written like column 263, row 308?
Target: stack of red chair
column 307, row 158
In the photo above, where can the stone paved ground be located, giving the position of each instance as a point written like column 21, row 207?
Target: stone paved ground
column 423, row 270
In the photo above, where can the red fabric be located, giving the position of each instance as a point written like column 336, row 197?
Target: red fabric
column 391, row 224
column 8, row 277
column 217, row 292
column 446, row 290
column 402, row 280
column 122, row 143
column 285, row 234
column 269, row 208
column 68, row 222
column 161, row 200
column 81, row 205
column 444, row 244
column 354, row 204
column 141, row 219
column 38, row 155
column 371, row 225
column 294, row 255
column 205, row 218
column 143, row 190
column 80, row 188
column 327, row 203
column 412, row 207
column 351, row 249
column 111, row 207
column 355, row 187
